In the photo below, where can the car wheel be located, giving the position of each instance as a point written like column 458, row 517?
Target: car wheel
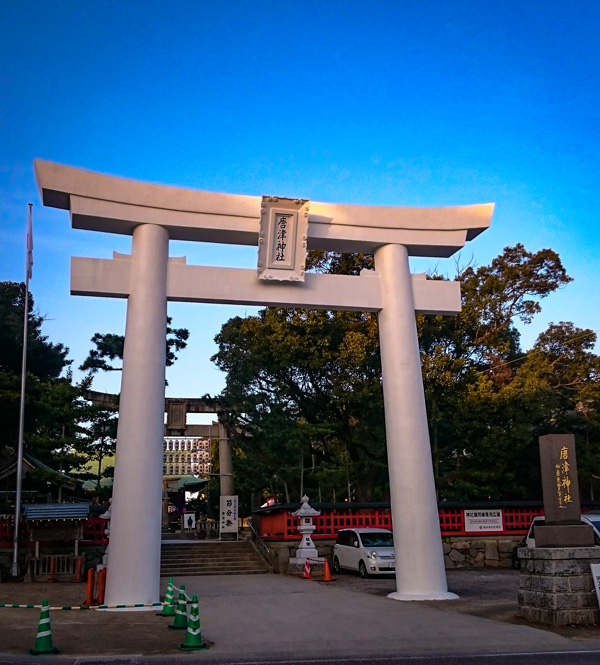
column 362, row 570
column 336, row 565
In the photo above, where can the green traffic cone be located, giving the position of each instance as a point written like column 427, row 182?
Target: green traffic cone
column 193, row 637
column 43, row 641
column 180, row 621
column 168, row 609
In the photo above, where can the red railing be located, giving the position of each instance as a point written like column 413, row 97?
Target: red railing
column 278, row 523
column 94, row 532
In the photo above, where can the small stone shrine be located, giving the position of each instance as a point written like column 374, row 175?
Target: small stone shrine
column 556, row 585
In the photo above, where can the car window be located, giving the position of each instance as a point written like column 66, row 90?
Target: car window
column 537, row 521
column 595, row 522
column 377, row 539
column 346, row 538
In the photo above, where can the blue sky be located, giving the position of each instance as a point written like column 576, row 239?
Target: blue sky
column 388, row 103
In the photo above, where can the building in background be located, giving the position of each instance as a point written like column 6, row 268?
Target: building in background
column 184, row 456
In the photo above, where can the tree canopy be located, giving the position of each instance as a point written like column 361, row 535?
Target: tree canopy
column 55, row 408
column 304, row 389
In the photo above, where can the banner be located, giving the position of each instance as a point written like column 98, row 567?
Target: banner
column 228, row 511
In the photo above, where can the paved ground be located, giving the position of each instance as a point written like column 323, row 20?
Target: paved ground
column 262, row 617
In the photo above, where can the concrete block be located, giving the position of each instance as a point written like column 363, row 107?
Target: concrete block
column 505, row 546
column 446, row 547
column 462, row 545
column 456, row 556
column 448, row 563
column 527, row 566
column 478, row 544
column 558, row 618
column 582, row 618
column 587, row 600
column 581, row 583
column 491, row 551
column 525, row 582
column 564, row 536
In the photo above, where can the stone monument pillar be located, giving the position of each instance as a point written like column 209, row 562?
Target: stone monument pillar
column 556, row 584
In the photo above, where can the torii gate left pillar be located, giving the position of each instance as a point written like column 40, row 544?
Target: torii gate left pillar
column 148, row 278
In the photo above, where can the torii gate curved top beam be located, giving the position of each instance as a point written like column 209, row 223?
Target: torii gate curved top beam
column 105, row 203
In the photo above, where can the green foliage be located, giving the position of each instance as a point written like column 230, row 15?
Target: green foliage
column 109, row 347
column 304, row 390
column 55, row 407
column 307, row 412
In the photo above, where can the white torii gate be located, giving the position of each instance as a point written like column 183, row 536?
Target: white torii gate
column 148, row 278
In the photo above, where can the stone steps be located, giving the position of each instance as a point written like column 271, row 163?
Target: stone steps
column 210, row 558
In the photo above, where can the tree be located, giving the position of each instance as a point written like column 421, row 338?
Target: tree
column 305, row 386
column 304, row 391
column 55, row 406
column 102, row 438
column 110, row 346
column 45, row 362
column 482, row 433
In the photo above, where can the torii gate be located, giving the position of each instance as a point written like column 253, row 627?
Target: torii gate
column 283, row 229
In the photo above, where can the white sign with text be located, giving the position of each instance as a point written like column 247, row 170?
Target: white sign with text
column 228, row 514
column 483, row 520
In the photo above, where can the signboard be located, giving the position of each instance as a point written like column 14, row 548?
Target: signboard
column 282, row 239
column 228, row 514
column 483, row 520
column 595, row 568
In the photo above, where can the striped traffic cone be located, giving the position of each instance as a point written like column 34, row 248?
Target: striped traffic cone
column 306, row 575
column 43, row 641
column 180, row 621
column 168, row 609
column 193, row 637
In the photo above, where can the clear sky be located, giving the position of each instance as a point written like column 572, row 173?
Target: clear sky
column 424, row 103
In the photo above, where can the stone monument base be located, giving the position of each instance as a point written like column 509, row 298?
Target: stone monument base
column 556, row 586
column 564, row 535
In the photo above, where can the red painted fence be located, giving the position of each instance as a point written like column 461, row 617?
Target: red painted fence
column 510, row 519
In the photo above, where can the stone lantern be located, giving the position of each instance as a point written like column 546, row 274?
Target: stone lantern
column 307, row 549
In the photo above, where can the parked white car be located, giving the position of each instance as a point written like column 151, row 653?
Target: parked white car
column 592, row 518
column 370, row 551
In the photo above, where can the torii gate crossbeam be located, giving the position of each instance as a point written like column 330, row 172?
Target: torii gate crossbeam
column 153, row 215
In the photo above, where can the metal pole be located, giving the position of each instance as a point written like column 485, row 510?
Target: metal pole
column 15, row 560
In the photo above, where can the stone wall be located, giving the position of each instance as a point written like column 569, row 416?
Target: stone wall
column 556, row 586
column 478, row 552
column 459, row 552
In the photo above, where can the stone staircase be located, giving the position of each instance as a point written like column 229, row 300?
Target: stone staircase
column 210, row 558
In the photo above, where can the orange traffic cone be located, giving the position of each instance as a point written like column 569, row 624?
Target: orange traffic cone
column 327, row 573
column 306, row 575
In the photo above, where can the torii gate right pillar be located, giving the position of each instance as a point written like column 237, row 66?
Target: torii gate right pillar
column 420, row 572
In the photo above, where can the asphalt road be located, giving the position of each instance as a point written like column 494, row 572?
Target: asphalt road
column 273, row 618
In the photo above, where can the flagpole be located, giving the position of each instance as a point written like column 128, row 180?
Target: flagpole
column 29, row 262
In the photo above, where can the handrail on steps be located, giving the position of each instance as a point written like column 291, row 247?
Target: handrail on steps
column 259, row 541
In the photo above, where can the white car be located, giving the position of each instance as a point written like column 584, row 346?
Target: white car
column 370, row 551
column 592, row 518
